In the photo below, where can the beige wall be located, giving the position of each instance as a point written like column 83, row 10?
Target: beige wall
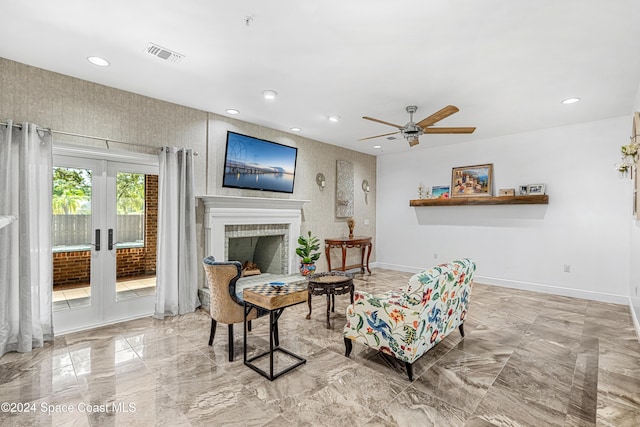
column 68, row 104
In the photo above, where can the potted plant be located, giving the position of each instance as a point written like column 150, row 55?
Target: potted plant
column 308, row 252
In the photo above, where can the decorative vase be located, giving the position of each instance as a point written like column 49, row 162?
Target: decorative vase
column 351, row 223
column 307, row 269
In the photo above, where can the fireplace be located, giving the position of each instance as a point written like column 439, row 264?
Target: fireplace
column 265, row 230
column 266, row 246
column 270, row 225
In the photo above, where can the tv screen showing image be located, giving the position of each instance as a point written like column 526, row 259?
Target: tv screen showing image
column 256, row 164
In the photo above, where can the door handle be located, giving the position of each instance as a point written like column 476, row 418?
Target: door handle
column 110, row 235
column 97, row 245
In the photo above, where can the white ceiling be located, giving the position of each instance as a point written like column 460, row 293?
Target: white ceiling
column 506, row 64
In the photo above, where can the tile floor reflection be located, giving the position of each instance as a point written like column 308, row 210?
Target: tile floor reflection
column 125, row 288
column 528, row 359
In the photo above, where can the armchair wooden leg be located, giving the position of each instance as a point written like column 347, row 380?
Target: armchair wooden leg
column 213, row 331
column 348, row 344
column 461, row 327
column 409, row 370
column 230, row 342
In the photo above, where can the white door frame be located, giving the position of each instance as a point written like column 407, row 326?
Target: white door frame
column 104, row 308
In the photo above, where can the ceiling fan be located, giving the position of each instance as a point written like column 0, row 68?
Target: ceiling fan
column 411, row 131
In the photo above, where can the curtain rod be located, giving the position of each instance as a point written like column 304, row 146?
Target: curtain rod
column 106, row 140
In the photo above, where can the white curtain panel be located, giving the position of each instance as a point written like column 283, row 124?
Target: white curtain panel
column 176, row 268
column 26, row 318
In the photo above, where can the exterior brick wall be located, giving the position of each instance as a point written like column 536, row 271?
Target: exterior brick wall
column 150, row 223
column 71, row 267
column 75, row 267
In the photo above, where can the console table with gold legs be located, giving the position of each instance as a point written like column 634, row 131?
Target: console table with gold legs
column 344, row 243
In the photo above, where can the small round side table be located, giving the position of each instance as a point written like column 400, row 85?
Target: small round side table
column 330, row 284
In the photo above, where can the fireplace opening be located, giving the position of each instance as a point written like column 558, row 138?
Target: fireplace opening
column 266, row 245
column 258, row 254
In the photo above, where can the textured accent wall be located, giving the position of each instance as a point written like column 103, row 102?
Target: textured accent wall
column 69, row 104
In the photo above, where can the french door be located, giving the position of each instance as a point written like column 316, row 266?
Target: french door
column 104, row 239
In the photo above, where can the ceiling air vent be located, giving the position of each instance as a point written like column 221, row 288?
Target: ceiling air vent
column 161, row 52
column 391, row 138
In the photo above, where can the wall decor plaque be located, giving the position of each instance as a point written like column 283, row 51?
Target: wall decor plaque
column 344, row 189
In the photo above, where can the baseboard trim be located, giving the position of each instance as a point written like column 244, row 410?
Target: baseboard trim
column 634, row 316
column 555, row 290
column 57, row 333
column 397, row 267
column 528, row 286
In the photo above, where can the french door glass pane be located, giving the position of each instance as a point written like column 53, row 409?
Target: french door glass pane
column 71, row 237
column 136, row 225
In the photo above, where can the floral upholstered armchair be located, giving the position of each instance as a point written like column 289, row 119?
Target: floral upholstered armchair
column 406, row 323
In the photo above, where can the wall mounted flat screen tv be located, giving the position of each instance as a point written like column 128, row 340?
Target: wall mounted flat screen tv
column 256, row 164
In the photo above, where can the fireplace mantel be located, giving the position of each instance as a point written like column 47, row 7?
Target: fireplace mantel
column 222, row 211
column 237, row 202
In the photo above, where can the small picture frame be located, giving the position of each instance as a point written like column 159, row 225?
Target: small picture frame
column 472, row 181
column 522, row 190
column 440, row 192
column 535, row 189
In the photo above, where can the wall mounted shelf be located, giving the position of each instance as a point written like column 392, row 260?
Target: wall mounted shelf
column 538, row 199
column 6, row 220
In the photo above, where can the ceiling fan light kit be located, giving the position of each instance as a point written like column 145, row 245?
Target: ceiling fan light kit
column 412, row 131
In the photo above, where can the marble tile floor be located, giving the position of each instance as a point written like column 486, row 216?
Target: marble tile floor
column 528, row 359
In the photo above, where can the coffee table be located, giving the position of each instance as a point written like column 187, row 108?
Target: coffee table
column 330, row 284
column 273, row 299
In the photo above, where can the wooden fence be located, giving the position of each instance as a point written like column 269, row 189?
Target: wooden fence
column 74, row 230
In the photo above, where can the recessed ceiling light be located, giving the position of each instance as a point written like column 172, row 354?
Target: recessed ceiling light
column 377, row 146
column 570, row 100
column 96, row 60
column 232, row 111
column 334, row 118
column 295, row 129
column 269, row 94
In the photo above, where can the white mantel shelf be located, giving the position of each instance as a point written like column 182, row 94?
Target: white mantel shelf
column 237, row 202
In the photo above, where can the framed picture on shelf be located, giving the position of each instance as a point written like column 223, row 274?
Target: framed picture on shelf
column 440, row 191
column 522, row 190
column 534, row 189
column 472, row 181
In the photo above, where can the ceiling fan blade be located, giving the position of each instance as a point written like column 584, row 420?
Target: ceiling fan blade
column 438, row 115
column 413, row 142
column 450, row 130
column 377, row 136
column 381, row 121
